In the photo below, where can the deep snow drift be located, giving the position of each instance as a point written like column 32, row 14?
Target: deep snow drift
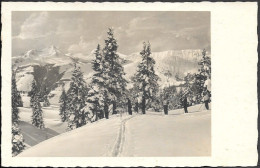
column 152, row 134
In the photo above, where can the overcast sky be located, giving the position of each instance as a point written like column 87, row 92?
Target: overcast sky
column 80, row 32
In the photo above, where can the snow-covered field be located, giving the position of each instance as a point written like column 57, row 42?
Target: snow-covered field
column 172, row 135
column 152, row 134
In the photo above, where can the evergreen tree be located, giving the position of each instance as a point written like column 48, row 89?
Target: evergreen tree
column 63, row 105
column 95, row 103
column 116, row 83
column 76, row 100
column 15, row 102
column 33, row 92
column 145, row 79
column 17, row 140
column 15, row 92
column 205, row 65
column 204, row 73
column 194, row 83
column 37, row 116
column 97, row 63
column 17, row 137
column 169, row 93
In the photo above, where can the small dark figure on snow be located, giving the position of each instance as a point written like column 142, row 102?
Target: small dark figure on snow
column 185, row 104
column 129, row 105
column 206, row 100
column 165, row 106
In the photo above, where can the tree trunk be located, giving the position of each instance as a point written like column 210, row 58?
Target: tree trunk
column 96, row 117
column 101, row 114
column 114, row 107
column 106, row 110
column 129, row 107
column 143, row 105
column 96, row 112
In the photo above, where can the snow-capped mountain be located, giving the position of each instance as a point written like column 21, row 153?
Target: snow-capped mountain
column 50, row 55
column 168, row 64
column 52, row 67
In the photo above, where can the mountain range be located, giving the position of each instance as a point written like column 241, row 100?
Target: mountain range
column 52, row 67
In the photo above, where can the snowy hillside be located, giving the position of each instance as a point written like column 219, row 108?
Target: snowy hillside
column 24, row 78
column 153, row 134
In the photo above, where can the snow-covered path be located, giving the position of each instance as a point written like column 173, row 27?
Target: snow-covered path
column 121, row 138
column 152, row 134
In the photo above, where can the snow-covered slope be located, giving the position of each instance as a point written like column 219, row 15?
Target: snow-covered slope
column 97, row 139
column 50, row 116
column 105, row 137
column 153, row 134
column 24, row 78
column 33, row 135
column 52, row 122
column 159, row 136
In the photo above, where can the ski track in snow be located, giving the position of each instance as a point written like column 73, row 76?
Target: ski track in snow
column 127, row 135
column 121, row 138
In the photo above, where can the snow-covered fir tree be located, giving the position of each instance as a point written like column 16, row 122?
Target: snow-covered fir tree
column 63, row 105
column 17, row 139
column 15, row 99
column 93, row 107
column 192, row 89
column 169, row 93
column 76, row 100
column 116, row 82
column 205, row 65
column 37, row 115
column 33, row 92
column 97, row 63
column 95, row 104
column 37, row 118
column 145, row 78
column 202, row 76
column 15, row 93
column 205, row 71
column 195, row 83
